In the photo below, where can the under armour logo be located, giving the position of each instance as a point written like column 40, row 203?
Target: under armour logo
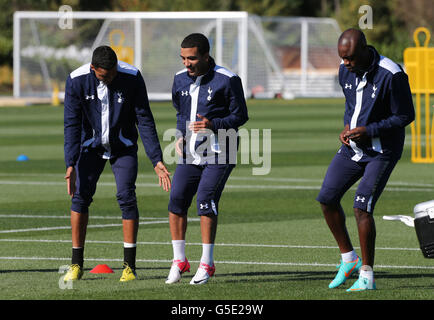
column 361, row 199
column 348, row 86
column 209, row 93
column 203, row 206
column 184, row 93
column 373, row 93
column 90, row 97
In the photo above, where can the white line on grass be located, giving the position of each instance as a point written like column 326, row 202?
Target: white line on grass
column 256, row 178
column 68, row 227
column 242, row 187
column 298, row 264
column 54, row 183
column 288, row 246
column 68, row 217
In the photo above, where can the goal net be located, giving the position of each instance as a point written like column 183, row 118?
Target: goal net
column 49, row 45
column 306, row 53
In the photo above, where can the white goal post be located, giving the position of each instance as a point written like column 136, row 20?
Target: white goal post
column 45, row 51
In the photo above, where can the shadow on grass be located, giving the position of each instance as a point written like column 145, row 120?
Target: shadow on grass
column 277, row 276
column 86, row 270
column 250, row 277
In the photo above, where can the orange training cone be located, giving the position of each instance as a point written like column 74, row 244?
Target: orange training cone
column 101, row 268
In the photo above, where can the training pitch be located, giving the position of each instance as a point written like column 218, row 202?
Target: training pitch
column 272, row 241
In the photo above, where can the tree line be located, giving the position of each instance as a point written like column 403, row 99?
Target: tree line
column 392, row 30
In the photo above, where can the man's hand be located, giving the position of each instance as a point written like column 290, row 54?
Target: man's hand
column 200, row 126
column 179, row 146
column 343, row 136
column 70, row 178
column 163, row 176
column 357, row 134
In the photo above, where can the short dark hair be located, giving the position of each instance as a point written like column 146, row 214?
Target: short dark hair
column 104, row 57
column 196, row 40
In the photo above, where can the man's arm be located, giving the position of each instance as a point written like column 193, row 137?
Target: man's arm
column 180, row 118
column 180, row 121
column 72, row 124
column 72, row 133
column 401, row 103
column 237, row 107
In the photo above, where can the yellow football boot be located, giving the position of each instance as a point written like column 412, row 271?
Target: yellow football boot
column 128, row 274
column 74, row 273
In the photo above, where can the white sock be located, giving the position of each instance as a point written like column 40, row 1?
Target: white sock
column 367, row 272
column 129, row 245
column 207, row 253
column 349, row 256
column 178, row 249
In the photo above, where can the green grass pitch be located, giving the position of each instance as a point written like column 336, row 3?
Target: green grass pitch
column 272, row 241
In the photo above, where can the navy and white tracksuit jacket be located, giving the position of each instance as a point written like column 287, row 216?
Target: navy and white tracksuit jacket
column 100, row 123
column 104, row 117
column 218, row 96
column 381, row 101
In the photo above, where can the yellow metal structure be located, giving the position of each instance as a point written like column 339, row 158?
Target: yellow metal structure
column 55, row 101
column 419, row 65
column 125, row 54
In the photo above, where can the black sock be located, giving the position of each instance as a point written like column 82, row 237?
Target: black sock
column 130, row 257
column 77, row 256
